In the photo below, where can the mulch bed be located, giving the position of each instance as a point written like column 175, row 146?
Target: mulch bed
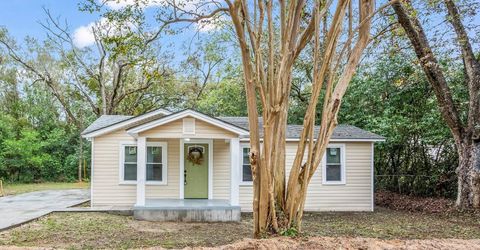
column 412, row 203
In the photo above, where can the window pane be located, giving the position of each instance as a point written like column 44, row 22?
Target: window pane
column 154, row 154
column 247, row 173
column 154, row 172
column 333, row 155
column 246, row 155
column 130, row 172
column 246, row 168
column 130, row 154
column 334, row 173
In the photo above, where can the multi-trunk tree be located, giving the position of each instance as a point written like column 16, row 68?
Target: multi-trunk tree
column 271, row 35
column 464, row 126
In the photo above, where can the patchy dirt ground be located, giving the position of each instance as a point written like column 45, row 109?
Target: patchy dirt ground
column 283, row 243
column 352, row 243
column 382, row 229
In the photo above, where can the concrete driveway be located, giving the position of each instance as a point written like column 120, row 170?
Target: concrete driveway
column 18, row 209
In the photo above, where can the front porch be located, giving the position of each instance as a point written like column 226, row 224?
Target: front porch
column 187, row 210
column 215, row 178
column 186, row 168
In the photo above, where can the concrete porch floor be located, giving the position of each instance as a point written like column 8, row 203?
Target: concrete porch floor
column 187, row 210
column 186, row 203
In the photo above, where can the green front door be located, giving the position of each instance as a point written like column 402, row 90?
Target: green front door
column 196, row 171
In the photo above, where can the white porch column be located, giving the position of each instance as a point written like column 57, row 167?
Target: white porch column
column 141, row 170
column 234, row 171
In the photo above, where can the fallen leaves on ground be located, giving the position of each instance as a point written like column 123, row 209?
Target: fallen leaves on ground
column 413, row 203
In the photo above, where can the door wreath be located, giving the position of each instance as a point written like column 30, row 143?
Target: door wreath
column 195, row 155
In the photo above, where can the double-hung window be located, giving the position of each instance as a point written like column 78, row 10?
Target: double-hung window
column 129, row 163
column 156, row 163
column 246, row 171
column 334, row 165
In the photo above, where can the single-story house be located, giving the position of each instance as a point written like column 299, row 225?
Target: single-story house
column 190, row 159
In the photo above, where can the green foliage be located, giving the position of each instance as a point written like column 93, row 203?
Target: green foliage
column 224, row 98
column 35, row 154
column 290, row 232
column 36, row 142
column 391, row 97
column 25, row 157
column 388, row 96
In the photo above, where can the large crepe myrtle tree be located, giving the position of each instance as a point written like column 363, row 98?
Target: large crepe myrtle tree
column 271, row 35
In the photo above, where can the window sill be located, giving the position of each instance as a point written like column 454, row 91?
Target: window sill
column 148, row 183
column 246, row 183
column 127, row 183
column 156, row 183
column 334, row 183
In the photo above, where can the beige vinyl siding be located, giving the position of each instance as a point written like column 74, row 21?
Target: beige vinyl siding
column 221, row 170
column 355, row 195
column 105, row 180
column 172, row 189
column 174, row 129
column 246, row 198
column 108, row 191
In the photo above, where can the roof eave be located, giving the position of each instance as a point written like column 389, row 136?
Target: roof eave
column 188, row 112
column 124, row 123
column 335, row 140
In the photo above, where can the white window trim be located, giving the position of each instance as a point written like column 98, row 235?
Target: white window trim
column 121, row 168
column 164, row 146
column 242, row 182
column 121, row 175
column 343, row 166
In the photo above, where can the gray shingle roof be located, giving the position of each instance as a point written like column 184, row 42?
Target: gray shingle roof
column 105, row 121
column 342, row 131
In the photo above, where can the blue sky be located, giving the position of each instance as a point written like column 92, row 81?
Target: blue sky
column 21, row 17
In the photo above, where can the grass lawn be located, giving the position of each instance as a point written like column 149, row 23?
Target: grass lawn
column 101, row 230
column 18, row 188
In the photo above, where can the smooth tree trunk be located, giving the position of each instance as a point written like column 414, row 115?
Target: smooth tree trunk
column 271, row 35
column 277, row 204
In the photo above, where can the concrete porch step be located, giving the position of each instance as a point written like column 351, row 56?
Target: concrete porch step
column 187, row 210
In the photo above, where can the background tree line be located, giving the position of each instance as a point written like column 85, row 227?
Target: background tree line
column 51, row 90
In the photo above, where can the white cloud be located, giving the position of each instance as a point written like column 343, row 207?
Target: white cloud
column 83, row 36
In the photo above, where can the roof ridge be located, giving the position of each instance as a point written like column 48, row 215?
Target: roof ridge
column 341, row 131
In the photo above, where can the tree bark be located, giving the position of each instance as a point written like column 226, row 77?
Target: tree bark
column 267, row 70
column 466, row 135
column 468, row 172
